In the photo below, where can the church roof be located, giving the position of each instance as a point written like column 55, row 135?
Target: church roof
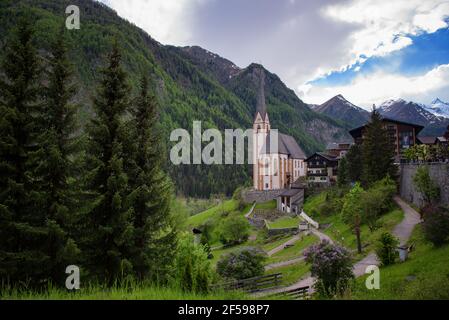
column 286, row 145
column 261, row 106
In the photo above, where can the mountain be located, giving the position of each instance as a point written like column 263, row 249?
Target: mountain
column 409, row 111
column 340, row 108
column 190, row 83
column 438, row 108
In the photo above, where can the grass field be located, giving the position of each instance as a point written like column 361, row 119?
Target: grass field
column 284, row 222
column 119, row 293
column 425, row 275
column 294, row 251
column 275, row 242
column 341, row 232
column 266, row 205
column 291, row 273
column 227, row 206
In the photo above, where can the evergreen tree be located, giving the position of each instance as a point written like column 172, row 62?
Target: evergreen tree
column 377, row 151
column 343, row 174
column 22, row 228
column 354, row 163
column 154, row 240
column 109, row 219
column 57, row 147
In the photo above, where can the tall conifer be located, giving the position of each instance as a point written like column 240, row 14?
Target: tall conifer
column 57, row 148
column 22, row 228
column 377, row 151
column 154, row 241
column 109, row 219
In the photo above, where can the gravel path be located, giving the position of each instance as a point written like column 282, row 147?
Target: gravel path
column 281, row 247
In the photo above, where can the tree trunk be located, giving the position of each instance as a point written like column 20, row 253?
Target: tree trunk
column 357, row 234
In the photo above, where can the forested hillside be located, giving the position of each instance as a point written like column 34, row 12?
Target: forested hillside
column 186, row 89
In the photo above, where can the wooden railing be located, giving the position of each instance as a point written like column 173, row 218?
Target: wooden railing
column 252, row 284
column 301, row 293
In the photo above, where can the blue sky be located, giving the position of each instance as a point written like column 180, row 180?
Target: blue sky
column 368, row 50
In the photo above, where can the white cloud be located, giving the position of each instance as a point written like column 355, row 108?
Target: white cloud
column 366, row 90
column 165, row 20
column 384, row 25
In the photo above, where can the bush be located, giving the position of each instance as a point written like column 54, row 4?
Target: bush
column 386, row 249
column 332, row 266
column 426, row 186
column 193, row 272
column 436, row 225
column 234, row 230
column 377, row 201
column 242, row 264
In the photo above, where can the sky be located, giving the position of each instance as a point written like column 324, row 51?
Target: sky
column 367, row 50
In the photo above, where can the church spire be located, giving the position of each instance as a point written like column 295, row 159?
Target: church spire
column 261, row 106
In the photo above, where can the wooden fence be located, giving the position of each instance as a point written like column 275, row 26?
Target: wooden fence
column 253, row 284
column 301, row 293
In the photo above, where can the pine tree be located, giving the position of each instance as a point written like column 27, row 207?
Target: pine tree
column 354, row 163
column 23, row 228
column 377, row 151
column 57, row 147
column 154, row 241
column 109, row 219
column 343, row 175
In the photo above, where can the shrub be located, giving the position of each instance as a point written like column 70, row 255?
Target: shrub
column 193, row 272
column 242, row 264
column 436, row 225
column 377, row 201
column 332, row 266
column 234, row 230
column 425, row 185
column 386, row 249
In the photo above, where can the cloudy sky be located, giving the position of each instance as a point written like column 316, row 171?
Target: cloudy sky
column 367, row 50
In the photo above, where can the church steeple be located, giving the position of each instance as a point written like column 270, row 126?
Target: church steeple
column 261, row 107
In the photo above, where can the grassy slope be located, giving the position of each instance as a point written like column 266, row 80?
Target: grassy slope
column 342, row 232
column 294, row 251
column 214, row 212
column 425, row 275
column 122, row 293
column 284, row 222
column 291, row 273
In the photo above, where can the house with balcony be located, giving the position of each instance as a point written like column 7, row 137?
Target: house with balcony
column 322, row 169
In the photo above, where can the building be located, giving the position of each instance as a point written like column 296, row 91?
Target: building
column 291, row 200
column 338, row 150
column 322, row 169
column 276, row 164
column 430, row 141
column 402, row 135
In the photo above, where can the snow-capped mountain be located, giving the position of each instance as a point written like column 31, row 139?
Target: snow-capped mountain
column 412, row 112
column 340, row 108
column 438, row 108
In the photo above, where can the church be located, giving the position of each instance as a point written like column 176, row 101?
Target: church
column 275, row 167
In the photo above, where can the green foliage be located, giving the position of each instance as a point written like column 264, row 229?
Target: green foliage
column 242, row 264
column 192, row 269
column 426, row 186
column 343, row 173
column 331, row 266
column 436, row 225
column 234, row 230
column 377, row 201
column 25, row 228
column 150, row 191
column 377, row 152
column 386, row 249
column 354, row 163
column 352, row 209
column 110, row 229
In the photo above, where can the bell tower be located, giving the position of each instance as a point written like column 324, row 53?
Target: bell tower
column 261, row 129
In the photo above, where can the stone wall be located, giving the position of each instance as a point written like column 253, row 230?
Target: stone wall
column 250, row 196
column 439, row 172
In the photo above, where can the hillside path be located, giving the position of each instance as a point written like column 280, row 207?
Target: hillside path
column 403, row 231
column 292, row 240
